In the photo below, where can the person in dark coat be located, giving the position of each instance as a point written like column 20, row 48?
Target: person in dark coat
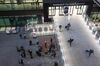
column 60, row 26
column 22, row 48
column 68, row 26
column 55, row 63
column 37, row 42
column 30, row 42
column 91, row 52
column 38, row 53
column 45, row 44
column 20, row 35
column 51, row 40
column 23, row 54
column 40, row 49
column 70, row 41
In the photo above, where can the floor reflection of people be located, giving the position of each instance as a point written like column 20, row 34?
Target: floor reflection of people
column 45, row 44
column 30, row 53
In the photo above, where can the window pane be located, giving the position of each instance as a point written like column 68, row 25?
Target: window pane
column 28, row 6
column 5, row 7
column 45, row 29
column 18, row 6
column 40, row 29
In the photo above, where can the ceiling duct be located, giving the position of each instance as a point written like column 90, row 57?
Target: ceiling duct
column 97, row 2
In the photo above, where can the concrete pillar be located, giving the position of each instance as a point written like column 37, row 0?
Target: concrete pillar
column 45, row 8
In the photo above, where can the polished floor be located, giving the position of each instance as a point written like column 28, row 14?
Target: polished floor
column 83, row 40
column 72, row 56
column 10, row 57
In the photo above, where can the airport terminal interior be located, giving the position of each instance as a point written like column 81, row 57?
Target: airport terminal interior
column 49, row 32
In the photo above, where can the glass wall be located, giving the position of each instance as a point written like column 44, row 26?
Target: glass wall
column 6, row 5
column 17, row 21
column 52, row 11
column 61, row 10
column 80, row 9
column 95, row 16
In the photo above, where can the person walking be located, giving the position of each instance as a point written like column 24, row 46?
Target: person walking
column 38, row 53
column 70, row 41
column 91, row 52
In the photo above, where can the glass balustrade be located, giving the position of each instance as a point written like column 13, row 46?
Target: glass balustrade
column 7, row 5
column 17, row 21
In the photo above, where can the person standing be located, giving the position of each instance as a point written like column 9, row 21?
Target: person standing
column 53, row 53
column 20, row 35
column 24, row 36
column 60, row 26
column 51, row 40
column 17, row 48
column 37, row 42
column 55, row 63
column 23, row 54
column 30, row 42
column 68, row 26
column 40, row 49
